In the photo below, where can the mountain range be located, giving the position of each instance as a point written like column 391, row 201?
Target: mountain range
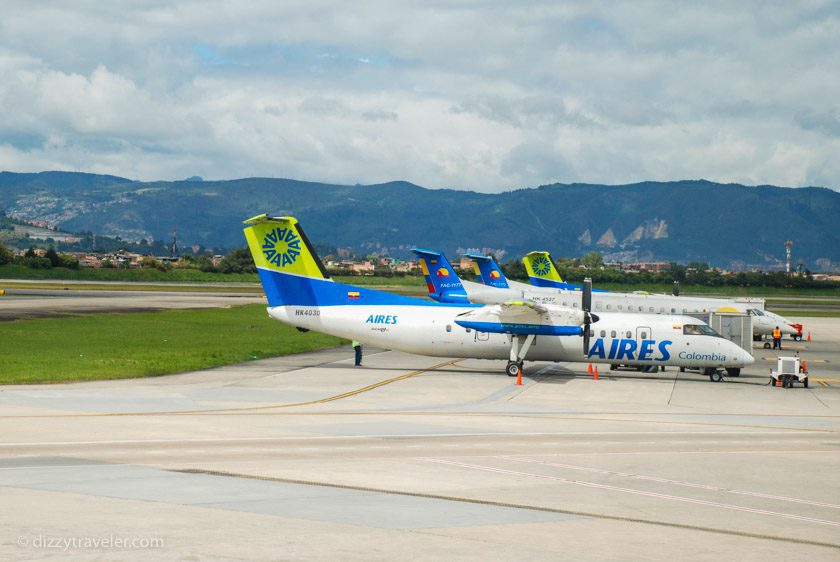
column 726, row 225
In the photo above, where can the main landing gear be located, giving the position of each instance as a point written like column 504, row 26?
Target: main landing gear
column 716, row 375
column 519, row 346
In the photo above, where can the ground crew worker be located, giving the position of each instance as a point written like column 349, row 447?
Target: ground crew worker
column 777, row 338
column 357, row 346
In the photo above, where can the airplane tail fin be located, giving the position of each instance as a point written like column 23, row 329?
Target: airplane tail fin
column 292, row 273
column 542, row 271
column 443, row 283
column 488, row 271
column 286, row 261
column 279, row 244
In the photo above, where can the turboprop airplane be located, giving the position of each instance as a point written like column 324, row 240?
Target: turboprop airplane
column 543, row 274
column 301, row 294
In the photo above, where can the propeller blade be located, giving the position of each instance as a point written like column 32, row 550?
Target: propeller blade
column 586, row 305
column 586, row 340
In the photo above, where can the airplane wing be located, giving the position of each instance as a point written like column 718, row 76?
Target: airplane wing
column 523, row 318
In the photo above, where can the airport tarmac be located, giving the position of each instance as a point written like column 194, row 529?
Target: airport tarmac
column 41, row 303
column 414, row 457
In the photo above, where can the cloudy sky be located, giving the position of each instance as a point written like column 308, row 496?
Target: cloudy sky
column 476, row 95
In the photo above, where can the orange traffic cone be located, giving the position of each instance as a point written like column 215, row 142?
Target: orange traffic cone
column 595, row 374
column 519, row 377
column 778, row 382
column 809, row 337
column 804, row 367
column 589, row 369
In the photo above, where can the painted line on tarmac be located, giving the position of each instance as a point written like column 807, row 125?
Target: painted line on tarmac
column 807, row 359
column 251, row 408
column 638, row 492
column 456, row 435
column 476, row 501
column 670, row 481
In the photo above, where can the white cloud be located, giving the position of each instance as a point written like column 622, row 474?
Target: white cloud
column 486, row 96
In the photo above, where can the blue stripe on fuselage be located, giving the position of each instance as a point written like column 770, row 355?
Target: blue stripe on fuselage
column 518, row 328
column 283, row 289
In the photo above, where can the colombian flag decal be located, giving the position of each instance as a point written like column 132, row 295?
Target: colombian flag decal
column 353, row 294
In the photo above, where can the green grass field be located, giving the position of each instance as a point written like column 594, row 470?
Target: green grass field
column 115, row 346
column 790, row 313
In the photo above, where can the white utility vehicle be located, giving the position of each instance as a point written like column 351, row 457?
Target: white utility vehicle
column 788, row 371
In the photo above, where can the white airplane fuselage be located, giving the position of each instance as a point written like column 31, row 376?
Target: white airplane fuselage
column 630, row 339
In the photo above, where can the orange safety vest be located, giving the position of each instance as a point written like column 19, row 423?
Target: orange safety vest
column 777, row 333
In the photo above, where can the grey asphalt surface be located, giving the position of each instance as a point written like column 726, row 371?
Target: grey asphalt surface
column 308, row 457
column 43, row 303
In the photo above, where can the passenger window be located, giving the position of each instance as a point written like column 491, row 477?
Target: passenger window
column 644, row 335
column 629, row 334
column 591, row 333
column 609, row 307
column 641, row 309
column 612, row 334
column 673, row 311
column 449, row 327
column 603, row 333
column 469, row 330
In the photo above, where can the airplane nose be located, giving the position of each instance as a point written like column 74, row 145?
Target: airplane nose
column 741, row 356
column 747, row 358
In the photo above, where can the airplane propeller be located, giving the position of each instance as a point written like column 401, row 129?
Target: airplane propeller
column 588, row 317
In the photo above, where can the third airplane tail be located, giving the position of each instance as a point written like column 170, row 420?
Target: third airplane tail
column 542, row 272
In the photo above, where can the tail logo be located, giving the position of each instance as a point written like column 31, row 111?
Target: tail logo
column 541, row 265
column 494, row 274
column 281, row 247
column 442, row 272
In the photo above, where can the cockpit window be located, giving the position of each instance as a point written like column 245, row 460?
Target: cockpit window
column 698, row 330
column 756, row 312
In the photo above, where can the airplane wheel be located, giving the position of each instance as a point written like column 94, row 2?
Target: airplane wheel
column 797, row 338
column 716, row 376
column 512, row 369
column 805, row 382
column 682, row 369
column 613, row 366
column 733, row 372
column 767, row 345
